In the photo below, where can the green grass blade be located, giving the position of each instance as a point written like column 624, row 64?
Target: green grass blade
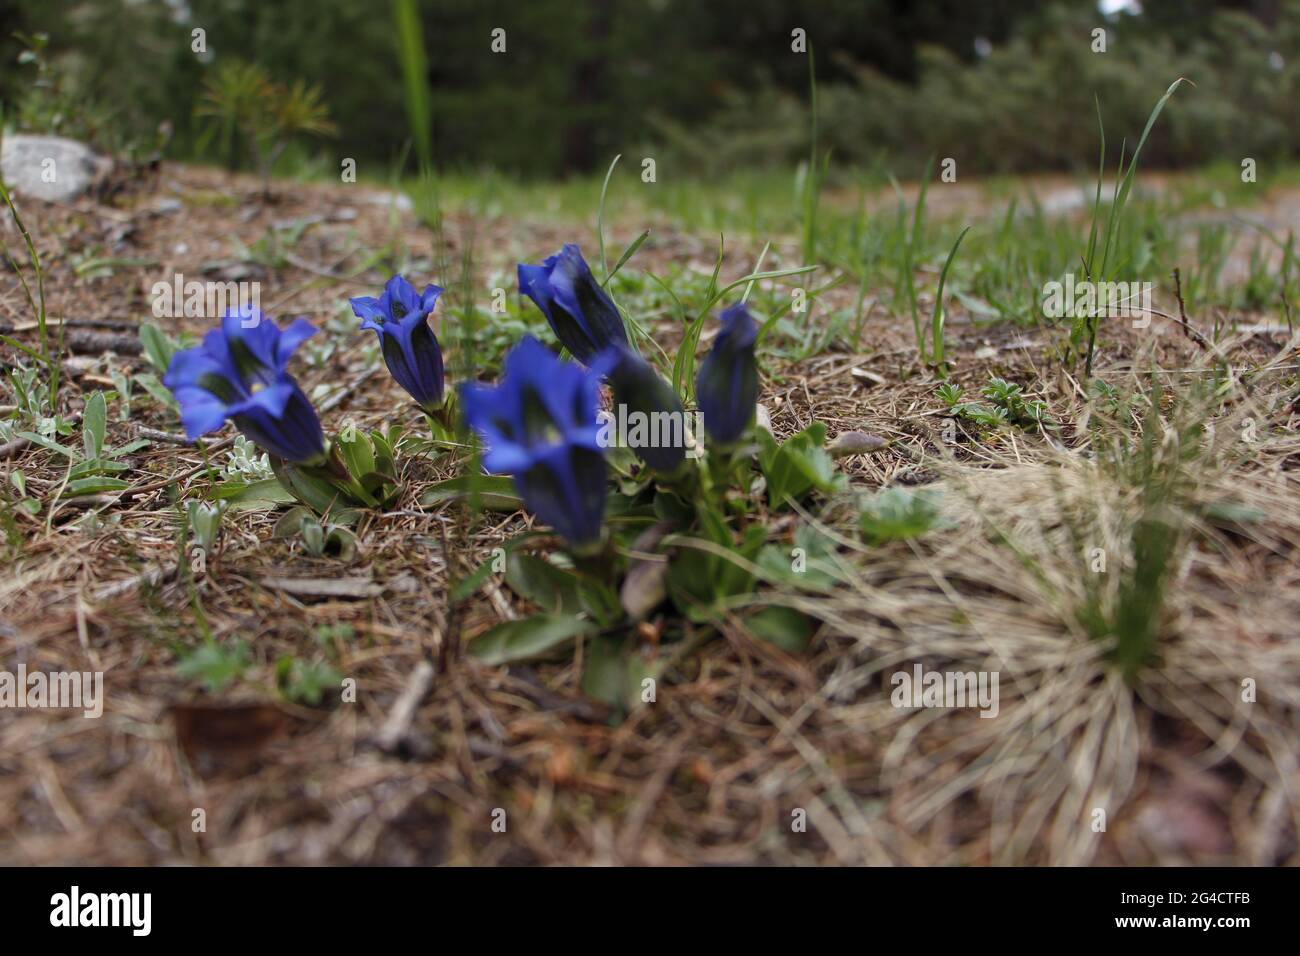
column 937, row 319
column 628, row 253
column 415, row 68
column 600, row 217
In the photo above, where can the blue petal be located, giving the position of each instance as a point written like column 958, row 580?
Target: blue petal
column 566, row 488
column 293, row 434
column 535, row 282
column 188, row 365
column 247, row 332
column 370, row 310
column 201, row 411
column 299, row 331
column 401, row 292
column 271, row 400
column 430, row 298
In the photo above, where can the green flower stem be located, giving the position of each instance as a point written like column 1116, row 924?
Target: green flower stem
column 598, row 560
column 685, row 481
column 721, row 463
column 443, row 421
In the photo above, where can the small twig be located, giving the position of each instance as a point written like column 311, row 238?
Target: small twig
column 11, row 448
column 335, row 400
column 152, row 577
column 170, row 438
column 85, row 341
column 1182, row 311
column 391, row 737
column 1191, row 330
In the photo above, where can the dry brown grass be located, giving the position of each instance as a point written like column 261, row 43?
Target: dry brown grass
column 742, row 735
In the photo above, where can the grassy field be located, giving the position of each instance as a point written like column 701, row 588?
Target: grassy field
column 1102, row 513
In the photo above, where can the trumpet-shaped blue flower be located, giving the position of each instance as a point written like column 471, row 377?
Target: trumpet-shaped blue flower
column 238, row 373
column 658, row 435
column 539, row 425
column 400, row 318
column 727, row 385
column 581, row 313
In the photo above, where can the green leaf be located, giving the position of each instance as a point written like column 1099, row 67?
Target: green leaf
column 358, row 455
column 44, row 442
column 614, row 672
column 305, row 682
column 527, row 638
column 811, row 567
column 799, row 466
column 215, row 664
column 157, row 391
column 94, row 486
column 605, row 674
column 97, row 466
column 257, row 496
column 158, row 348
column 1230, row 514
column 289, row 524
column 341, row 543
column 94, row 423
column 600, row 601
column 134, row 445
column 541, row 582
column 693, row 582
column 896, row 514
column 733, row 577
column 495, row 492
column 308, row 486
column 784, row 627
column 468, row 586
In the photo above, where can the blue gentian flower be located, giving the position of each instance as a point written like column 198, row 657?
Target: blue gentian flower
column 238, row 374
column 727, row 385
column 400, row 318
column 582, row 315
column 539, row 425
column 649, row 408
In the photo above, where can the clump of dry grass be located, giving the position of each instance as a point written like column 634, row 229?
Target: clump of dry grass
column 1010, row 587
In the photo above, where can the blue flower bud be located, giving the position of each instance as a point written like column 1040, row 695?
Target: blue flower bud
column 727, row 385
column 644, row 400
column 400, row 318
column 581, row 313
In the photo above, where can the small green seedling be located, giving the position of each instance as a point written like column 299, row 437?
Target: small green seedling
column 305, row 682
column 205, row 522
column 217, row 666
column 92, row 470
column 319, row 539
column 897, row 514
column 1020, row 411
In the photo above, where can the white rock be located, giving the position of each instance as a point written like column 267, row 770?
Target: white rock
column 49, row 167
column 399, row 201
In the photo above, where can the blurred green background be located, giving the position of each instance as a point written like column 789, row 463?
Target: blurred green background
column 710, row 88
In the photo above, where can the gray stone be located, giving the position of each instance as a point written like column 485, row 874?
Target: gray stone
column 49, row 167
